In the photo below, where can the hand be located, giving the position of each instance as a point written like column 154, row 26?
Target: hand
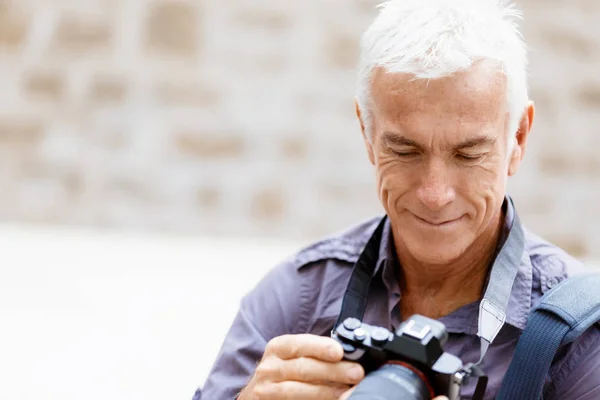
column 302, row 367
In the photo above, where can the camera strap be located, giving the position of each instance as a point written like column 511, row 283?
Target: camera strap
column 492, row 308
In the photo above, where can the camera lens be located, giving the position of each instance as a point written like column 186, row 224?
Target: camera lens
column 392, row 382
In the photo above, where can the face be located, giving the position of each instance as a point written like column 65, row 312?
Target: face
column 442, row 158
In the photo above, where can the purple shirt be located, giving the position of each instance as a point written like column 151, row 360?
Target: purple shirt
column 304, row 294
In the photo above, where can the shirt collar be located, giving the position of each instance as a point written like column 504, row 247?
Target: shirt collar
column 519, row 303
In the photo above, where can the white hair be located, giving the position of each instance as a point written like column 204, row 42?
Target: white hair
column 433, row 39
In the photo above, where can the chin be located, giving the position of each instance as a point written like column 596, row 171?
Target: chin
column 436, row 252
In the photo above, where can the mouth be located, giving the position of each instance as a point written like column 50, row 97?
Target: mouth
column 437, row 223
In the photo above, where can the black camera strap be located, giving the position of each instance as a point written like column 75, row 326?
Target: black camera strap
column 357, row 291
column 492, row 309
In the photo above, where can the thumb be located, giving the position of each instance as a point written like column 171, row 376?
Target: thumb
column 441, row 398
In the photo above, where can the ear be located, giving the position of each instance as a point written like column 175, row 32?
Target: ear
column 365, row 134
column 521, row 137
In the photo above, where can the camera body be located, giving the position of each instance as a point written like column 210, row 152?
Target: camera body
column 417, row 346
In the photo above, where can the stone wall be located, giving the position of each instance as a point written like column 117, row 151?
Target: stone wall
column 236, row 117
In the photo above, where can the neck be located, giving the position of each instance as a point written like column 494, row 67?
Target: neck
column 435, row 290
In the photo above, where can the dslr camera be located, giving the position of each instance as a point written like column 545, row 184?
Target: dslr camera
column 410, row 364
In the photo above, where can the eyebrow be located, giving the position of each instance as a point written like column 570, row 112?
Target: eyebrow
column 399, row 140
column 476, row 142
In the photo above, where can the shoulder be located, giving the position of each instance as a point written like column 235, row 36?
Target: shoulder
column 307, row 284
column 345, row 245
column 575, row 372
column 550, row 263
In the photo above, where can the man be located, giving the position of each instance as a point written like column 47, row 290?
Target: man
column 444, row 112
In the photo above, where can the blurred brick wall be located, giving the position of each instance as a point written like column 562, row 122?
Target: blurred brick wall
column 236, row 117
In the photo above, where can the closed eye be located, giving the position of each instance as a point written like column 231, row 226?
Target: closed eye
column 406, row 153
column 470, row 158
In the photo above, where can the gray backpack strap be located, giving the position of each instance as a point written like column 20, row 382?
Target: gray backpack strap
column 562, row 315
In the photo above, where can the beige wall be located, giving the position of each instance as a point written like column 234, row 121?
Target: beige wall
column 236, row 117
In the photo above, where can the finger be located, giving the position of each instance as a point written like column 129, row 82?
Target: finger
column 306, row 369
column 290, row 390
column 347, row 393
column 441, row 398
column 288, row 347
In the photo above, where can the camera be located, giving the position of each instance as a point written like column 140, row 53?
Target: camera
column 409, row 364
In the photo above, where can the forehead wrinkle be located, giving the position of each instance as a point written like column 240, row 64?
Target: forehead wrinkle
column 400, row 94
column 460, row 105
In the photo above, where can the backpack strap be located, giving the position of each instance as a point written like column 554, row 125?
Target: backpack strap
column 562, row 315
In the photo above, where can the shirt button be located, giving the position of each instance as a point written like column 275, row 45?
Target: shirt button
column 552, row 281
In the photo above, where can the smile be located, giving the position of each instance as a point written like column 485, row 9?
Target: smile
column 437, row 224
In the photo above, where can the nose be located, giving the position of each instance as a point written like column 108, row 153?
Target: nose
column 435, row 189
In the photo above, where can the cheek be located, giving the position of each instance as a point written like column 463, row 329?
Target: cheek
column 484, row 187
column 392, row 181
column 481, row 181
